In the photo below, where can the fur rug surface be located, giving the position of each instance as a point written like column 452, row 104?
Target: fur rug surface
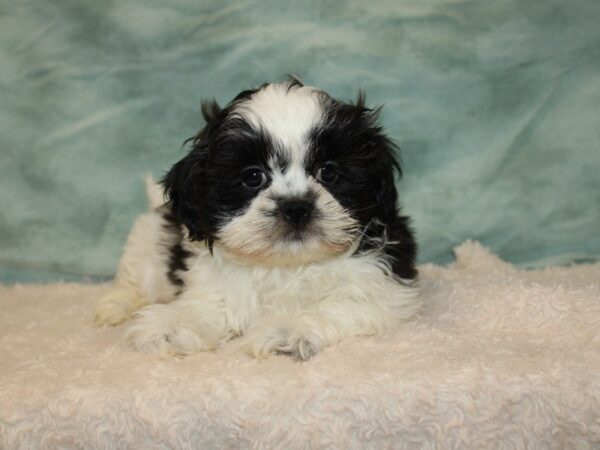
column 498, row 358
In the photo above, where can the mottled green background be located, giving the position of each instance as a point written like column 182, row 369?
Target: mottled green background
column 496, row 105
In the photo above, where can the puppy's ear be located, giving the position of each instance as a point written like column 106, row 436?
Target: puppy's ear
column 183, row 186
column 389, row 166
column 210, row 110
column 294, row 80
column 386, row 161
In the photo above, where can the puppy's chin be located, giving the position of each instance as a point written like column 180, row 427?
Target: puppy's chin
column 293, row 250
column 277, row 247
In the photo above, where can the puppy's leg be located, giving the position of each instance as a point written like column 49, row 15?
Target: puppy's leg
column 305, row 333
column 182, row 327
column 118, row 305
column 142, row 276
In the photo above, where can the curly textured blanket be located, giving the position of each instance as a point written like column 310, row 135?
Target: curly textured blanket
column 499, row 358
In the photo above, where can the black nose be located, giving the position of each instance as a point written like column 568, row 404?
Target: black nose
column 296, row 212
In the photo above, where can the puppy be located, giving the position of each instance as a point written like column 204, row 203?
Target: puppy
column 281, row 224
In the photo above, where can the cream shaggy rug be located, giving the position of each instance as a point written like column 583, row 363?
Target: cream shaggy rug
column 500, row 358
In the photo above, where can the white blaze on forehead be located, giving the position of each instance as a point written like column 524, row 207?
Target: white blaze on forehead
column 287, row 114
column 294, row 182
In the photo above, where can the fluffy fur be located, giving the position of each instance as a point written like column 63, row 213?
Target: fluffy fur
column 499, row 358
column 281, row 224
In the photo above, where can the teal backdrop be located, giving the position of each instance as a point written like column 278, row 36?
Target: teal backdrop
column 495, row 105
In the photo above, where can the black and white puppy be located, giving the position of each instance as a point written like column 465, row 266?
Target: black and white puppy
column 281, row 224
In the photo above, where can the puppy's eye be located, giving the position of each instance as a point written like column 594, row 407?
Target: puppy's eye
column 253, row 178
column 328, row 173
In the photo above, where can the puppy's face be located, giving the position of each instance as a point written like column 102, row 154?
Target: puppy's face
column 284, row 175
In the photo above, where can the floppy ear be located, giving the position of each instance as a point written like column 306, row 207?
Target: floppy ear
column 387, row 195
column 386, row 161
column 184, row 184
column 183, row 187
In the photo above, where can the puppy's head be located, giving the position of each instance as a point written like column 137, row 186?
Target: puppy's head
column 284, row 175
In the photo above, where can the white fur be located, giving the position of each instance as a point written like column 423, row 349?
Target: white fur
column 285, row 296
column 296, row 309
column 317, row 304
column 287, row 112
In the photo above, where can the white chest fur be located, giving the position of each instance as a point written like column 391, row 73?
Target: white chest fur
column 249, row 292
column 293, row 310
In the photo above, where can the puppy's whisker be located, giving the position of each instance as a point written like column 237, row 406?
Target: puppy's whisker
column 368, row 207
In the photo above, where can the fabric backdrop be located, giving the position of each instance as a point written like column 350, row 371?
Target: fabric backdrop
column 496, row 106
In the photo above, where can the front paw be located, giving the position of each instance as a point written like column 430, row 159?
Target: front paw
column 161, row 331
column 117, row 306
column 301, row 345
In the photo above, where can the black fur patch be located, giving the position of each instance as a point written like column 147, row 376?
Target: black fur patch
column 206, row 186
column 367, row 165
column 177, row 254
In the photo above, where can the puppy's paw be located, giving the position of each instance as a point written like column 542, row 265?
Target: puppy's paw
column 159, row 330
column 117, row 306
column 296, row 343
